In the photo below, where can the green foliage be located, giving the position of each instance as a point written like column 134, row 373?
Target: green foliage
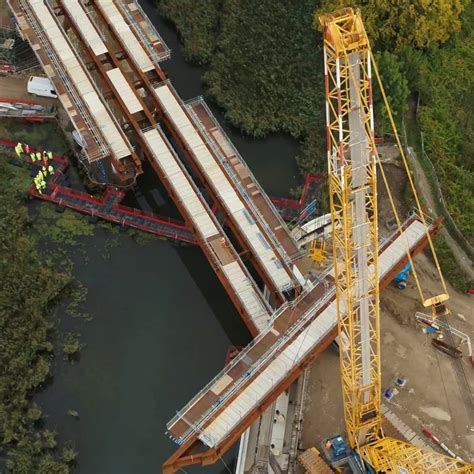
column 446, row 85
column 266, row 69
column 197, row 22
column 71, row 345
column 69, row 455
column 396, row 23
column 396, row 89
column 450, row 268
column 64, row 228
column 28, row 286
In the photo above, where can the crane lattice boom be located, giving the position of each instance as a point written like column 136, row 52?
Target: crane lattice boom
column 352, row 163
column 353, row 189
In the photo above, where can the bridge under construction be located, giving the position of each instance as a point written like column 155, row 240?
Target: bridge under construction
column 104, row 59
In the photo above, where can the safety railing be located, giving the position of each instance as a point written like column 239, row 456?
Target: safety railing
column 238, row 184
column 155, row 56
column 211, row 252
column 61, row 72
column 201, row 100
column 298, row 326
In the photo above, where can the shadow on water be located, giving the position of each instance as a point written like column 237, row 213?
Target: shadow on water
column 161, row 324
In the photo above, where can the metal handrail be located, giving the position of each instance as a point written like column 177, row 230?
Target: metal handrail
column 216, row 264
column 52, row 55
column 235, row 179
column 260, row 363
column 154, row 55
column 237, row 155
column 198, row 424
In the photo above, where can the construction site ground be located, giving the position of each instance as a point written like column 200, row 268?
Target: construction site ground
column 431, row 398
column 14, row 87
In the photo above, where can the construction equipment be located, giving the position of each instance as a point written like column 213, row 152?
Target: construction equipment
column 400, row 281
column 317, row 251
column 436, row 326
column 352, row 163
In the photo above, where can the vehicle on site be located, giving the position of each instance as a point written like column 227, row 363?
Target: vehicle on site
column 400, row 281
column 41, row 86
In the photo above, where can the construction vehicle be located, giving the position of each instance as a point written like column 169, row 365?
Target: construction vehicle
column 353, row 165
column 400, row 281
column 317, row 251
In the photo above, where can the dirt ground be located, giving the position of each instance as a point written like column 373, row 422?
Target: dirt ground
column 15, row 88
column 431, row 397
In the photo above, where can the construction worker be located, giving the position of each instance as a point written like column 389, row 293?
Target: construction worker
column 45, row 156
column 18, row 149
column 50, row 155
column 44, row 171
column 37, row 184
column 38, row 156
column 50, row 170
column 33, row 157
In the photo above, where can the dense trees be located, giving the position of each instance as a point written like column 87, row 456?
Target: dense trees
column 265, row 72
column 396, row 23
column 396, row 89
column 28, row 286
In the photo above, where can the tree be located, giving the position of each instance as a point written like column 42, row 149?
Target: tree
column 396, row 23
column 396, row 89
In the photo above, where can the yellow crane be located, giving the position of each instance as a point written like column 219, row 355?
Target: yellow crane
column 352, row 164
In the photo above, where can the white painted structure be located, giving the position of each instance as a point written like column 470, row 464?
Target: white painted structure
column 206, row 225
column 77, row 75
column 285, row 359
column 263, row 251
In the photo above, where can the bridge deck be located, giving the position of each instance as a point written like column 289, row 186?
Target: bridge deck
column 139, row 24
column 78, row 76
column 241, row 174
column 274, row 261
column 209, row 231
column 128, row 39
column 243, row 385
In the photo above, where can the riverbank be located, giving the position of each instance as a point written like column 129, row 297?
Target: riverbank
column 32, row 281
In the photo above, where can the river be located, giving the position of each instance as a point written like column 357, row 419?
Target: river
column 161, row 324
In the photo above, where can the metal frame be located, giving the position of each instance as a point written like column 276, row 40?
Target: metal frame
column 393, row 455
column 353, row 201
column 191, row 452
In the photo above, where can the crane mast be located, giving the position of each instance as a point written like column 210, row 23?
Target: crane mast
column 353, row 199
column 352, row 164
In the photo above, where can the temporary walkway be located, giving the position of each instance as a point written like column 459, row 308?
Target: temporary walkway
column 106, row 207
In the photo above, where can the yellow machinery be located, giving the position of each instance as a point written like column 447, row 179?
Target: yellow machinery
column 317, row 251
column 352, row 164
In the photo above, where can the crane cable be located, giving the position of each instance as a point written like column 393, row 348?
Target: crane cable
column 410, row 179
column 370, row 136
column 385, row 180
